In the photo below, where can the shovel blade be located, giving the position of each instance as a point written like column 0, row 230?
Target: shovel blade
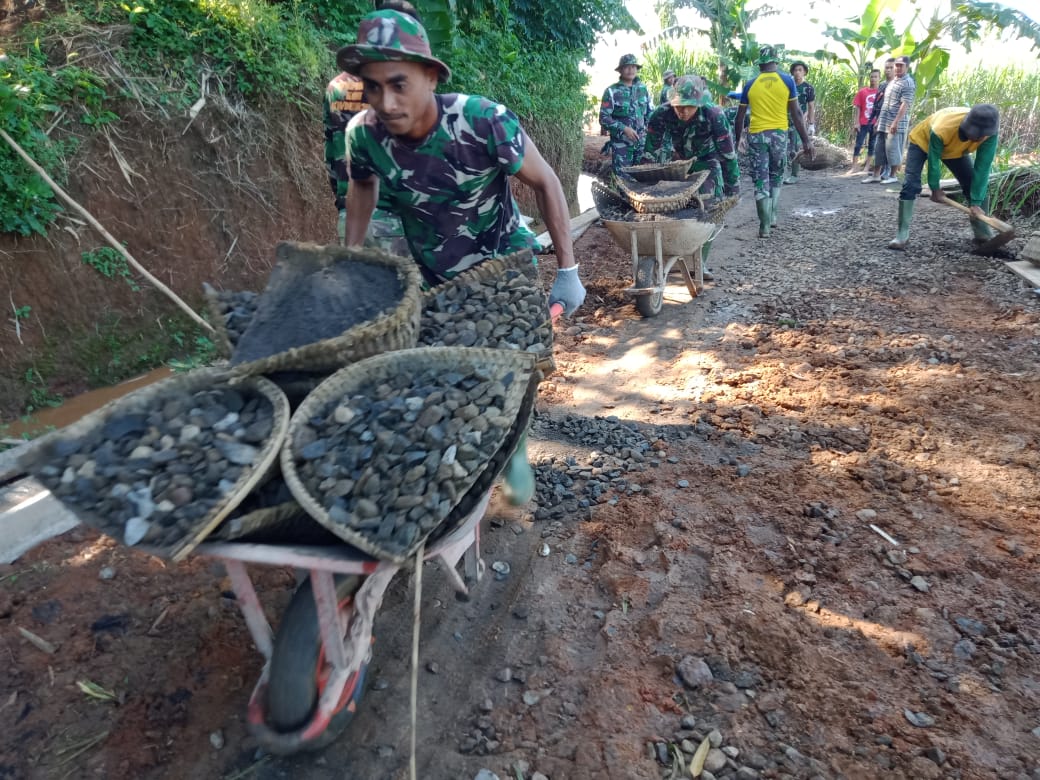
column 995, row 243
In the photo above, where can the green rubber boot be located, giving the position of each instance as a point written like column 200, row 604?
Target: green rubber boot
column 705, row 272
column 519, row 477
column 774, row 207
column 796, row 168
column 341, row 227
column 765, row 217
column 906, row 215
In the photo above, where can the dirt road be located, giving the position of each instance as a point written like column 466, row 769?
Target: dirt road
column 718, row 564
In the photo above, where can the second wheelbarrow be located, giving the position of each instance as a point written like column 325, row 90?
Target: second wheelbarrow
column 657, row 246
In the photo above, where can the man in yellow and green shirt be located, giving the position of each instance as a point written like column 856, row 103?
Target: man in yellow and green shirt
column 948, row 137
column 770, row 96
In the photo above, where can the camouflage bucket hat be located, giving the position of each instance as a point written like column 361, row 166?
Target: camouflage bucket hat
column 767, row 54
column 668, row 74
column 689, row 91
column 627, row 59
column 390, row 36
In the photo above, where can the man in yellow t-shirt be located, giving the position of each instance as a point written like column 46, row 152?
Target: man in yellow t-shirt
column 948, row 137
column 770, row 95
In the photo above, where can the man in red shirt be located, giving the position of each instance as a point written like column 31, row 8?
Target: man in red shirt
column 864, row 105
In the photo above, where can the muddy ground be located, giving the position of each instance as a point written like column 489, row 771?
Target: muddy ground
column 727, row 585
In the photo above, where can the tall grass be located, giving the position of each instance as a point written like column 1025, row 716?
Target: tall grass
column 683, row 59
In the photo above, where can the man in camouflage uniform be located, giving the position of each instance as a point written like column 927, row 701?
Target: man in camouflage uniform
column 697, row 130
column 343, row 99
column 443, row 163
column 668, row 77
column 771, row 97
column 807, row 103
column 623, row 113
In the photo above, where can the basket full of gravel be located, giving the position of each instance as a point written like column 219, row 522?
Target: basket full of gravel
column 662, row 196
column 160, row 468
column 498, row 304
column 327, row 306
column 385, row 449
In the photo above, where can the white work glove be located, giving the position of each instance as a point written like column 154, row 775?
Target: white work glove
column 567, row 290
column 812, row 129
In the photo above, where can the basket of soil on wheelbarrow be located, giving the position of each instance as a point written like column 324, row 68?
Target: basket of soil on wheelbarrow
column 383, row 450
column 676, row 170
column 324, row 307
column 160, row 468
column 657, row 246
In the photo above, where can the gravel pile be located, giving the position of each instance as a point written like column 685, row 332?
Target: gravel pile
column 236, row 310
column 509, row 311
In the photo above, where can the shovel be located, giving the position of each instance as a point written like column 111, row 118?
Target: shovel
column 1005, row 232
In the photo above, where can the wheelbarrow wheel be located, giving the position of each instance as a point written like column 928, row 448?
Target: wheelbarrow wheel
column 649, row 304
column 299, row 670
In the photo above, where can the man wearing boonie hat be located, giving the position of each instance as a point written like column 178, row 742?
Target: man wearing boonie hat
column 623, row 113
column 807, row 102
column 442, row 162
column 696, row 129
column 770, row 96
column 948, row 137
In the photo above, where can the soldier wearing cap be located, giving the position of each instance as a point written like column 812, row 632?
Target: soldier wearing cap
column 668, row 77
column 771, row 96
column 343, row 99
column 624, row 112
column 696, row 129
column 807, row 103
column 948, row 137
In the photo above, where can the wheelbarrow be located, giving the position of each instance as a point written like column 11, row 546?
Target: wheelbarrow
column 315, row 666
column 657, row 246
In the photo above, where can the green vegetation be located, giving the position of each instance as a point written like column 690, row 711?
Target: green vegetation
column 114, row 352
column 110, row 264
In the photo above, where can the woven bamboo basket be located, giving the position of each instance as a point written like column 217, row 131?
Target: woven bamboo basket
column 493, row 269
column 676, row 170
column 608, row 199
column 151, row 397
column 664, row 196
column 217, row 312
column 354, row 379
column 395, row 329
column 826, row 155
column 286, row 523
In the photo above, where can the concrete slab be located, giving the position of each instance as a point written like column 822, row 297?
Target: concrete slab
column 29, row 515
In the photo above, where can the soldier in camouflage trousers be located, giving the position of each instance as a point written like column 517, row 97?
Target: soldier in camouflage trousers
column 343, row 99
column 623, row 113
column 697, row 129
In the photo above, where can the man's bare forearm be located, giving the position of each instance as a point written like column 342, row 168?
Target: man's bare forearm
column 361, row 202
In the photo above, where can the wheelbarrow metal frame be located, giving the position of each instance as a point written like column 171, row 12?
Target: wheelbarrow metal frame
column 345, row 657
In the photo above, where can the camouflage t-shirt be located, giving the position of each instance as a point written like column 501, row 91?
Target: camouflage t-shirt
column 450, row 189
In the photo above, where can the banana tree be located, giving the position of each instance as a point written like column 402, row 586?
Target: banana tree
column 728, row 34
column 865, row 39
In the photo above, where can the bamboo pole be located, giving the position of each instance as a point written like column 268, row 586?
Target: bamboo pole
column 107, row 236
